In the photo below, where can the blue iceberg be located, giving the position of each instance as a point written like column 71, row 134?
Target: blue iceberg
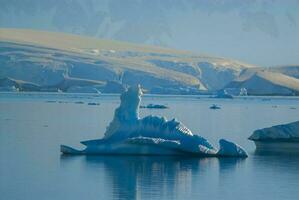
column 127, row 134
column 282, row 138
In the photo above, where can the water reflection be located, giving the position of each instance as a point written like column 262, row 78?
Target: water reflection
column 229, row 164
column 134, row 177
column 278, row 152
column 227, row 172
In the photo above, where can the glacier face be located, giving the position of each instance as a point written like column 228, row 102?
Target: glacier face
column 151, row 135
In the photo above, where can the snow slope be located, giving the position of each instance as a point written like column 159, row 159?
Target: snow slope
column 57, row 61
column 266, row 82
column 50, row 59
column 289, row 70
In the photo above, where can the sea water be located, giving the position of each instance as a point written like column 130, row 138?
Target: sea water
column 33, row 125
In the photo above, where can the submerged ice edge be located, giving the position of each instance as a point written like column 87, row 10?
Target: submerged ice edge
column 151, row 135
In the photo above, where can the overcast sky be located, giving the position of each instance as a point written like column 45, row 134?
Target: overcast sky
column 261, row 32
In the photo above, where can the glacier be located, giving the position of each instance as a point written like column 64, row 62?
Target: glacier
column 128, row 134
column 279, row 138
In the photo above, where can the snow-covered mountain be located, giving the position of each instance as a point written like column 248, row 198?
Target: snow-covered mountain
column 261, row 32
column 50, row 61
column 289, row 70
column 267, row 81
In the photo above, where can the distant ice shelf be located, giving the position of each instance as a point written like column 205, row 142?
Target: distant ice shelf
column 279, row 138
column 151, row 135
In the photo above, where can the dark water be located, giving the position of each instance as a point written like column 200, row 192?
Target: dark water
column 33, row 126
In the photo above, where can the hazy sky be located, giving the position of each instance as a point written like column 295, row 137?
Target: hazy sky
column 261, row 32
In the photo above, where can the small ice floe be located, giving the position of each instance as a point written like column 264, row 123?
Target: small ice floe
column 279, row 138
column 215, row 107
column 154, row 106
column 266, row 99
column 79, row 102
column 50, row 101
column 93, row 104
column 152, row 135
column 62, row 102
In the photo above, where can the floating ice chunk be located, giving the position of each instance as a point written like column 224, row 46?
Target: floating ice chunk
column 279, row 132
column 128, row 134
column 93, row 104
column 279, row 139
column 154, row 106
column 215, row 107
column 229, row 149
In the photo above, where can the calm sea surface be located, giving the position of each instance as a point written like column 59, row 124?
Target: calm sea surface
column 32, row 126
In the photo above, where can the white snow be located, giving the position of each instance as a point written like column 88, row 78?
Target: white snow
column 128, row 134
column 263, row 82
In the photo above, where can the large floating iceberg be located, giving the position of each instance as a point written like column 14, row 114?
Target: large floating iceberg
column 152, row 135
column 280, row 138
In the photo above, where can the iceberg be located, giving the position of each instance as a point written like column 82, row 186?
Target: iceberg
column 127, row 134
column 215, row 107
column 228, row 148
column 279, row 138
